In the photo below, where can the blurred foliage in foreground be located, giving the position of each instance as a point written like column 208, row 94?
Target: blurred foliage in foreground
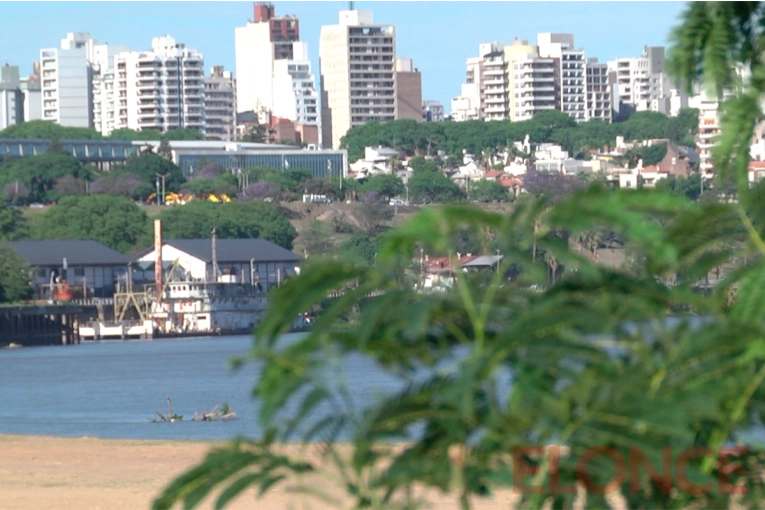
column 636, row 358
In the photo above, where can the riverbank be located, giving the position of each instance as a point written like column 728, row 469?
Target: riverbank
column 115, row 474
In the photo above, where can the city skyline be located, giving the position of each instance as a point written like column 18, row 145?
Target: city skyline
column 425, row 30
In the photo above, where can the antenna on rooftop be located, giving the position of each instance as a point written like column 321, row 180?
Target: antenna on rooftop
column 350, row 6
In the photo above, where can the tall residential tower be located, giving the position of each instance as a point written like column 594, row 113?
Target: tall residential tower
column 259, row 44
column 358, row 74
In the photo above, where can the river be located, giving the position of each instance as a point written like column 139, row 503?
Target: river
column 112, row 389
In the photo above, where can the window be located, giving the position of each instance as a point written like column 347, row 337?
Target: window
column 41, row 272
column 79, row 272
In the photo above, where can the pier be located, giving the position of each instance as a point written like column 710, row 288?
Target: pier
column 43, row 324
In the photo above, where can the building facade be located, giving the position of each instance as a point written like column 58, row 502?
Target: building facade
column 408, row 90
column 358, row 74
column 220, row 105
column 30, row 88
column 66, row 81
column 432, row 111
column 161, row 89
column 642, row 84
column 294, row 95
column 571, row 71
column 258, row 45
column 598, row 91
column 11, row 97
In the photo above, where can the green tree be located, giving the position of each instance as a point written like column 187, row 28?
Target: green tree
column 114, row 221
column 488, row 191
column 147, row 166
column 132, row 134
column 256, row 133
column 386, row 185
column 235, row 220
column 13, row 224
column 45, row 129
column 433, row 187
column 362, row 247
column 39, row 174
column 15, row 276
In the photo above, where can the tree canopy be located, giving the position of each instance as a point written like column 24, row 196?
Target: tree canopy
column 234, row 220
column 549, row 126
column 39, row 175
column 46, row 129
column 15, row 276
column 113, row 221
column 146, row 166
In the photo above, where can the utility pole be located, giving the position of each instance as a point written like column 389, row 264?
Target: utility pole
column 161, row 176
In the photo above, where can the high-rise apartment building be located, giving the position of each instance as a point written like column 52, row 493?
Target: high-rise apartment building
column 220, row 105
column 408, row 90
column 494, row 84
column 533, row 82
column 30, row 88
column 67, row 78
column 641, row 83
column 258, row 45
column 571, row 64
column 358, row 74
column 11, row 97
column 66, row 81
column 294, row 91
column 598, row 91
column 518, row 80
column 161, row 89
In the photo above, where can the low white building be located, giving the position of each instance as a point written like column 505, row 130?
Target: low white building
column 377, row 160
column 244, row 260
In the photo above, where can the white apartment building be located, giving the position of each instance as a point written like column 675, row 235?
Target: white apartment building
column 31, row 90
column 517, row 80
column 11, row 97
column 432, row 111
column 258, row 45
column 494, row 84
column 534, row 86
column 66, row 81
column 161, row 89
column 67, row 78
column 220, row 105
column 642, row 84
column 467, row 106
column 358, row 74
column 294, row 91
column 533, row 83
column 709, row 130
column 571, row 61
column 598, row 91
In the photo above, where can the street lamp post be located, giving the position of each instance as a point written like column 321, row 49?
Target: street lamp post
column 161, row 176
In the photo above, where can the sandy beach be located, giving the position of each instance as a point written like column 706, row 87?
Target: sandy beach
column 112, row 474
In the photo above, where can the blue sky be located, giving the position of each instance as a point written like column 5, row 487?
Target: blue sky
column 438, row 36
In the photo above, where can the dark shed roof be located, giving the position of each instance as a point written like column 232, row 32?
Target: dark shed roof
column 76, row 253
column 232, row 250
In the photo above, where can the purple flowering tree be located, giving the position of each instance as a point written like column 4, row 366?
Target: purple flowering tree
column 207, row 171
column 119, row 185
column 260, row 190
column 553, row 185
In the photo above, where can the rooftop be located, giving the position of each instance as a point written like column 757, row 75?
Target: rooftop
column 76, row 253
column 231, row 250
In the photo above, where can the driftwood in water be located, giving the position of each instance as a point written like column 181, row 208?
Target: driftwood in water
column 225, row 413
column 170, row 416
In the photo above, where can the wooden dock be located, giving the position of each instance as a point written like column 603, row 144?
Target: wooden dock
column 34, row 325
